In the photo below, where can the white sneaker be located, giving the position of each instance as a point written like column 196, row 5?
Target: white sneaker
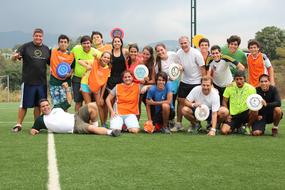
column 177, row 127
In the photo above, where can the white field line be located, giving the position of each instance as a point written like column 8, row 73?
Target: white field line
column 53, row 179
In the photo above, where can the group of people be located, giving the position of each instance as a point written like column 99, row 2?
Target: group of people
column 102, row 76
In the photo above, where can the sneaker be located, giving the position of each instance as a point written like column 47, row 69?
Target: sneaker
column 165, row 130
column 116, row 132
column 274, row 131
column 124, row 128
column 194, row 128
column 177, row 127
column 247, row 131
column 17, row 128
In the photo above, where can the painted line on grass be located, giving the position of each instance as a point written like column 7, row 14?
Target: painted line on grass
column 15, row 122
column 53, row 179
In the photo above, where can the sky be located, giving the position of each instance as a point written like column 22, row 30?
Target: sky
column 144, row 21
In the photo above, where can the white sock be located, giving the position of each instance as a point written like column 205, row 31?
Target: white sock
column 109, row 131
column 275, row 127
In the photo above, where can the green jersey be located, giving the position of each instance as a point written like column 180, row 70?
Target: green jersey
column 237, row 97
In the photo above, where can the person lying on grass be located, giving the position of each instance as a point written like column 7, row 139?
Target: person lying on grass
column 56, row 120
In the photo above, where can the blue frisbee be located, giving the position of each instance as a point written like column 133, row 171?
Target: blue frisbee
column 63, row 69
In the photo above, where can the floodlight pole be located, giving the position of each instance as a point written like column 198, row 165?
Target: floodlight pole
column 193, row 20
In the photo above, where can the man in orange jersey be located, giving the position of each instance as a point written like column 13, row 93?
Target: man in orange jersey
column 97, row 42
column 60, row 55
column 258, row 64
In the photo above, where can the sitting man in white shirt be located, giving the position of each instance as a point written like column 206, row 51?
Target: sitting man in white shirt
column 56, row 120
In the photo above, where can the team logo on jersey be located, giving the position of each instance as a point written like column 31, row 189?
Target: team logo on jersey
column 38, row 53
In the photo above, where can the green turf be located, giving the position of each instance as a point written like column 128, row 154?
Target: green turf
column 143, row 161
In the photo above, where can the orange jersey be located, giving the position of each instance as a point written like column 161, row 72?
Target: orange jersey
column 105, row 47
column 58, row 57
column 256, row 67
column 128, row 98
column 98, row 76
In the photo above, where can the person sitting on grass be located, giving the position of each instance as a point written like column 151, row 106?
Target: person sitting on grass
column 203, row 94
column 126, row 107
column 236, row 95
column 160, row 96
column 271, row 111
column 56, row 120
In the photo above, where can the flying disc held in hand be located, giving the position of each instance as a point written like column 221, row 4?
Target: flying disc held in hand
column 202, row 112
column 140, row 72
column 174, row 71
column 254, row 102
column 63, row 69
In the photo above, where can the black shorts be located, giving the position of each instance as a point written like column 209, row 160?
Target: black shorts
column 77, row 96
column 267, row 118
column 31, row 95
column 157, row 118
column 239, row 120
column 184, row 89
column 221, row 92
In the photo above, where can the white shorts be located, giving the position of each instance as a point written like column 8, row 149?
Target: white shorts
column 131, row 121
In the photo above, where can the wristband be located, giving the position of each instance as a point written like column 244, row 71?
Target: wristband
column 213, row 129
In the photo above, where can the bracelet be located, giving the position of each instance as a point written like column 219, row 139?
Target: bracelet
column 213, row 129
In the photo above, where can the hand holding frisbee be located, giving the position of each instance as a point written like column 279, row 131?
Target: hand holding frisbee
column 202, row 112
column 174, row 71
column 63, row 69
column 254, row 102
column 140, row 72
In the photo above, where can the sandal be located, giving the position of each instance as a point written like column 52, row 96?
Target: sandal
column 17, row 128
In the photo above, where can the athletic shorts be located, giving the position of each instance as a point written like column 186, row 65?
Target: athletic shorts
column 130, row 120
column 239, row 120
column 31, row 95
column 184, row 89
column 85, row 88
column 77, row 96
column 221, row 92
column 267, row 118
column 82, row 120
column 157, row 118
column 58, row 94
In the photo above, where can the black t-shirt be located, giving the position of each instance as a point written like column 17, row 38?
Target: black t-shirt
column 271, row 97
column 35, row 60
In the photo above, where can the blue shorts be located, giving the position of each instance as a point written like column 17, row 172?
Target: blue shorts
column 31, row 95
column 85, row 88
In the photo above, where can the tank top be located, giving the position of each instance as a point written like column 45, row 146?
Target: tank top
column 118, row 67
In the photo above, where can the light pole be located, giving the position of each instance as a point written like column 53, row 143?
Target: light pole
column 193, row 20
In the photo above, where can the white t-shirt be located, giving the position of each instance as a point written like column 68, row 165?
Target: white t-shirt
column 172, row 58
column 191, row 63
column 59, row 121
column 212, row 100
column 222, row 75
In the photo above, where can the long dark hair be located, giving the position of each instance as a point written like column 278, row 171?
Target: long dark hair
column 158, row 58
column 150, row 61
column 130, row 47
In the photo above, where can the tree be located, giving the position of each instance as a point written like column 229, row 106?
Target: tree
column 271, row 38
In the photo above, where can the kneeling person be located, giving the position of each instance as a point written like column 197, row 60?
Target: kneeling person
column 202, row 94
column 160, row 96
column 58, row 121
column 271, row 111
column 235, row 96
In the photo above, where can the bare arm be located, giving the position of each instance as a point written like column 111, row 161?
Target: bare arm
column 109, row 104
column 212, row 131
column 203, row 70
column 225, row 102
column 148, row 112
column 240, row 67
column 67, row 91
column 85, row 64
column 271, row 75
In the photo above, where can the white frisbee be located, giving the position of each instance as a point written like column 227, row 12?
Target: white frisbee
column 254, row 102
column 202, row 112
column 140, row 72
column 174, row 71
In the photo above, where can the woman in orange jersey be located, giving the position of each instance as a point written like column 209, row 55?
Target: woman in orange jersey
column 126, row 106
column 97, row 82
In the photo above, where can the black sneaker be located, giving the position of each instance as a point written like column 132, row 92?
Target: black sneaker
column 274, row 131
column 165, row 130
column 116, row 132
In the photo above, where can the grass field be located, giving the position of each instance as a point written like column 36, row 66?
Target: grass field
column 143, row 161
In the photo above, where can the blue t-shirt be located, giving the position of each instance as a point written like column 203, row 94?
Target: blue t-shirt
column 159, row 95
